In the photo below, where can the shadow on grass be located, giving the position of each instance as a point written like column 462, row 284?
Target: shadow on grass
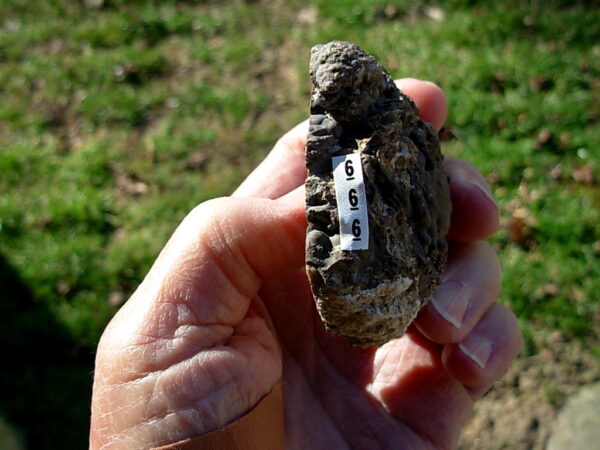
column 45, row 376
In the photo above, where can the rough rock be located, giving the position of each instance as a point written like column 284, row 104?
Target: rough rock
column 371, row 295
column 578, row 426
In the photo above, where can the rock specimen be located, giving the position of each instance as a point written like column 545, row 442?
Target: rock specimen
column 375, row 245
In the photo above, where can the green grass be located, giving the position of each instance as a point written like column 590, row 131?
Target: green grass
column 118, row 119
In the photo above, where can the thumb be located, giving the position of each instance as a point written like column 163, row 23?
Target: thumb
column 192, row 332
column 216, row 260
column 245, row 239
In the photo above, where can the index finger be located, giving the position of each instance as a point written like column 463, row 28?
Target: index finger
column 284, row 169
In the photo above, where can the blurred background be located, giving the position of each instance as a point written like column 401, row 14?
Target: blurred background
column 117, row 117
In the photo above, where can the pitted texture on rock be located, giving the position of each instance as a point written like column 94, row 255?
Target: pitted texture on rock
column 371, row 296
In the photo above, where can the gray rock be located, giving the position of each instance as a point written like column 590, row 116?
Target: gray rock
column 578, row 424
column 372, row 295
column 10, row 438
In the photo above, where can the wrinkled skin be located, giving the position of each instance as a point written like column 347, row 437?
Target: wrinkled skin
column 226, row 311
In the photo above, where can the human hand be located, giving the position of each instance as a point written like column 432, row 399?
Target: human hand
column 226, row 311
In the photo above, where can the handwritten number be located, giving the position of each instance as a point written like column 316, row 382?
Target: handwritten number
column 349, row 168
column 349, row 185
column 353, row 197
column 356, row 228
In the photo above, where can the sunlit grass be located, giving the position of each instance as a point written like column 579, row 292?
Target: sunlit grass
column 116, row 120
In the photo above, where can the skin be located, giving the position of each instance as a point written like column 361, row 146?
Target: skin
column 226, row 311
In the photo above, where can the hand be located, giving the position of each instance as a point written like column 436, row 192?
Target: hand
column 226, row 310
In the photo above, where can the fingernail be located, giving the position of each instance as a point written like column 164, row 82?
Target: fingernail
column 451, row 301
column 484, row 190
column 477, row 348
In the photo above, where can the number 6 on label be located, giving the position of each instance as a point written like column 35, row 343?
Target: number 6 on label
column 356, row 229
column 349, row 169
column 352, row 202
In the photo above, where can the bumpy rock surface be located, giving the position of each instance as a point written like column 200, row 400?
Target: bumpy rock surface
column 372, row 295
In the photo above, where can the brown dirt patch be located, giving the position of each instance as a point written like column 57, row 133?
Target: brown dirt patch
column 521, row 410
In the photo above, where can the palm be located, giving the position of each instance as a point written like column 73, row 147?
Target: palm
column 334, row 393
column 369, row 398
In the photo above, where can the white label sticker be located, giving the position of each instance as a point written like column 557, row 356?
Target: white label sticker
column 352, row 202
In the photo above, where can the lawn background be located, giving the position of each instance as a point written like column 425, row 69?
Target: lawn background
column 118, row 117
